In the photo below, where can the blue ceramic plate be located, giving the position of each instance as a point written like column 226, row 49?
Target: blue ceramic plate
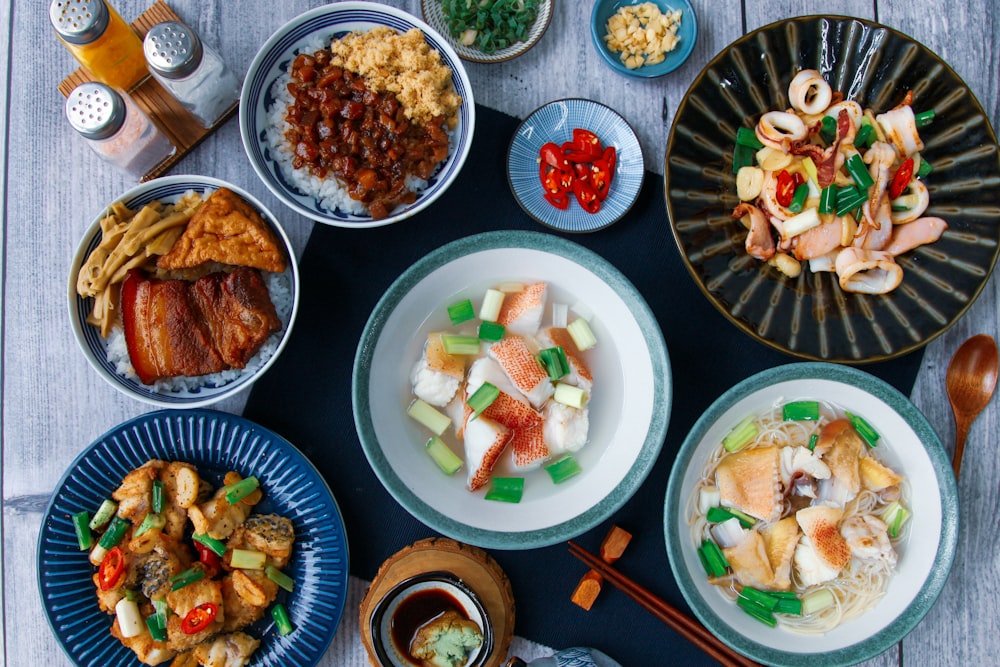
column 908, row 444
column 273, row 60
column 629, row 408
column 215, row 442
column 434, row 15
column 687, row 32
column 169, row 189
column 555, row 122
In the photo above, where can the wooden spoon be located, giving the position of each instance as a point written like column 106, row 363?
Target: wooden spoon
column 970, row 382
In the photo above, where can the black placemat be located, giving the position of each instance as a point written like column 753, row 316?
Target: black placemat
column 306, row 395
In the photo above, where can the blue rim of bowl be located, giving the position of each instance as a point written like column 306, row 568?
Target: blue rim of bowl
column 216, row 442
column 89, row 338
column 932, row 586
column 522, row 165
column 673, row 60
column 601, row 509
column 278, row 52
column 434, row 15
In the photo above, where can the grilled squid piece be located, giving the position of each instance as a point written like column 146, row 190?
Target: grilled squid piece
column 879, row 159
column 867, row 271
column 917, row 233
column 874, row 235
column 778, row 129
column 760, row 242
column 900, row 127
column 809, row 92
column 911, row 204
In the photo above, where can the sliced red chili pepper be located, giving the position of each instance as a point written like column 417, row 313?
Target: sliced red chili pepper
column 552, row 155
column 578, row 156
column 111, row 569
column 581, row 170
column 586, row 196
column 587, row 142
column 785, row 189
column 559, row 199
column 610, row 158
column 600, row 177
column 208, row 558
column 199, row 618
column 902, row 178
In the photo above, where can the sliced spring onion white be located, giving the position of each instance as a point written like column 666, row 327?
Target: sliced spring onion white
column 489, row 311
column 570, row 395
column 729, row 533
column 129, row 619
column 708, row 498
column 560, row 315
column 802, row 222
column 429, row 416
column 582, row 334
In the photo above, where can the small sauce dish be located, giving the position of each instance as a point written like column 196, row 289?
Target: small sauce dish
column 687, row 33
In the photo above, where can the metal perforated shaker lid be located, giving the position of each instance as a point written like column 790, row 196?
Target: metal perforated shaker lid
column 95, row 110
column 172, row 49
column 79, row 21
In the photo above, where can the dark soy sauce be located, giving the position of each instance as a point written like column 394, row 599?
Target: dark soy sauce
column 418, row 609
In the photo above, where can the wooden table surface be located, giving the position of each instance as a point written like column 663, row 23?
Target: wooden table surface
column 54, row 405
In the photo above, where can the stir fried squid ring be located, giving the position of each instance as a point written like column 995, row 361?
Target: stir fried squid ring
column 778, row 129
column 867, row 271
column 809, row 92
column 854, row 112
column 911, row 204
column 900, row 127
column 768, row 199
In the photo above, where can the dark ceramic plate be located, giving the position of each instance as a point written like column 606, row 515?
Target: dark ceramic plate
column 215, row 442
column 810, row 316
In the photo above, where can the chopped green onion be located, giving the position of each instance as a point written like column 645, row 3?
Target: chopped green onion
column 162, row 611
column 241, row 489
column 756, row 610
column 218, row 547
column 713, row 559
column 280, row 616
column 482, row 398
column 81, row 526
column 798, row 411
column 131, row 595
column 188, row 576
column 864, row 135
column 859, row 172
column 429, row 416
column 894, row 516
column 151, row 521
column 849, row 198
column 799, row 198
column 747, row 137
column 741, row 434
column 157, row 496
column 103, row 514
column 563, row 468
column 461, row 311
column 457, row 344
column 492, row 25
column 570, row 395
column 743, row 156
column 248, row 559
column 553, row 359
column 447, row 460
column 828, row 129
column 817, row 601
column 156, row 631
column 763, row 598
column 864, row 429
column 280, row 578
column 506, row 489
column 924, row 118
column 810, row 168
column 813, row 439
column 489, row 311
column 719, row 514
column 581, row 333
column 828, row 199
column 491, row 331
column 115, row 532
column 925, row 168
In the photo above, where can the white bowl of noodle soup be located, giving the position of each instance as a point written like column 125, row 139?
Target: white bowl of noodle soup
column 908, row 445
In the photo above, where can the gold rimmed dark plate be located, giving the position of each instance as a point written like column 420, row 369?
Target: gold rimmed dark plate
column 810, row 316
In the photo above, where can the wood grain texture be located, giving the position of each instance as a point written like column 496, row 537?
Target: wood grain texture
column 54, row 405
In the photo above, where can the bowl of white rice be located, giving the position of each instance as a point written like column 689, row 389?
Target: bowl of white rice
column 265, row 99
column 109, row 355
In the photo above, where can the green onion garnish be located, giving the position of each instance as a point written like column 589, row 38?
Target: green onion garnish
column 864, row 135
column 482, row 398
column 447, row 460
column 828, row 129
column 280, row 616
column 813, row 439
column 563, row 468
column 581, row 333
column 457, row 344
column 553, row 359
column 113, row 535
column 743, row 156
column 850, row 198
column 429, row 416
column 924, row 118
column 859, row 172
column 188, row 576
column 103, row 514
column 712, row 558
column 248, row 559
column 817, row 600
column 747, row 137
column 506, row 489
column 81, row 526
column 756, row 610
column 719, row 514
column 799, row 198
column 570, row 395
column 151, row 521
column 925, row 168
column 156, row 631
column 217, row 547
column 241, row 489
column 741, row 434
column 763, row 598
column 461, row 311
column 491, row 331
column 798, row 411
column 157, row 496
column 279, row 577
column 864, row 429
column 828, row 199
column 492, row 302
column 894, row 516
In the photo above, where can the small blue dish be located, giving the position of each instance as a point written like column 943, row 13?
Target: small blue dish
column 555, row 122
column 687, row 32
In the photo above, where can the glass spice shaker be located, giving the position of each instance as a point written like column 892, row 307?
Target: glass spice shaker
column 191, row 71
column 97, row 36
column 117, row 129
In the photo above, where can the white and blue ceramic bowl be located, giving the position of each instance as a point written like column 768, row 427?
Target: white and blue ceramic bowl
column 908, row 445
column 434, row 14
column 687, row 32
column 273, row 60
column 629, row 409
column 95, row 348
column 555, row 122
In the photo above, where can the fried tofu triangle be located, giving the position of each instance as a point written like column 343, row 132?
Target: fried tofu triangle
column 226, row 229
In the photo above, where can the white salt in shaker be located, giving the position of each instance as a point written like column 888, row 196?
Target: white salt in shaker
column 191, row 71
column 117, row 129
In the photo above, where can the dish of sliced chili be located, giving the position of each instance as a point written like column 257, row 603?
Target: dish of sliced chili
column 581, row 168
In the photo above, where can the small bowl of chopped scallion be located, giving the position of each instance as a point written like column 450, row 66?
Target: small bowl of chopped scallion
column 492, row 31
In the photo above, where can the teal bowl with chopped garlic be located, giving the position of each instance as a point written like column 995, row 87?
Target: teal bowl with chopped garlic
column 687, row 33
column 925, row 551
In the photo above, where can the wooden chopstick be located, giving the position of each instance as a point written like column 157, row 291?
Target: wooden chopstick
column 686, row 626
